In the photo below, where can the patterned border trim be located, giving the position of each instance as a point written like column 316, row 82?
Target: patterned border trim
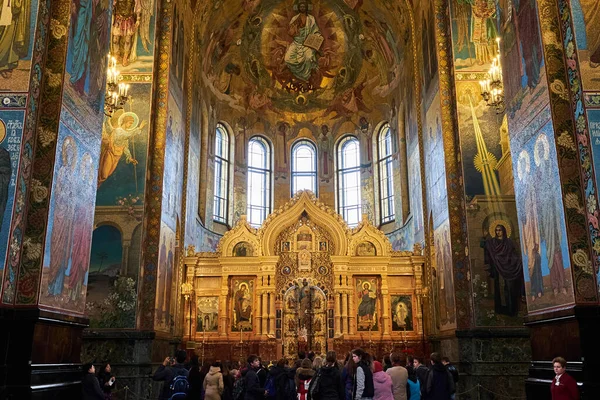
column 471, row 76
column 592, row 100
column 136, row 78
column 13, row 101
column 154, row 176
column 452, row 154
column 572, row 138
column 40, row 93
column 44, row 154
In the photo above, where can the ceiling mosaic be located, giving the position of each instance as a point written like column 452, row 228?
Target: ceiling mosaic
column 324, row 59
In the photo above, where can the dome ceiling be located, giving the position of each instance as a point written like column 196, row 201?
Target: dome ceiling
column 327, row 58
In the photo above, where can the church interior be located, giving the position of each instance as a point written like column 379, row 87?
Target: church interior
column 235, row 177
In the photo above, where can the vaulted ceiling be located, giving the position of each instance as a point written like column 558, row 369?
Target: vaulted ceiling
column 254, row 56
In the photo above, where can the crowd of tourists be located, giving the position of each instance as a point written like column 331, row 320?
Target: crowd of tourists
column 310, row 377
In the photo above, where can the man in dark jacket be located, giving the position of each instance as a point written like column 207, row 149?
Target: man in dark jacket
column 90, row 387
column 452, row 369
column 254, row 391
column 439, row 384
column 168, row 371
column 328, row 380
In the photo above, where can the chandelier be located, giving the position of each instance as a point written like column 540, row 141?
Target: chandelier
column 116, row 93
column 492, row 87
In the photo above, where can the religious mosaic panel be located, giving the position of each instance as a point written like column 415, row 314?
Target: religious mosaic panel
column 132, row 35
column 164, row 281
column 586, row 19
column 522, row 55
column 496, row 267
column 368, row 309
column 70, row 223
column 87, row 55
column 173, row 166
column 548, row 281
column 207, row 317
column 242, row 301
column 122, row 171
column 402, row 312
column 16, row 44
column 444, row 276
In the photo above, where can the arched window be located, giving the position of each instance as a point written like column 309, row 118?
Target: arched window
column 304, row 166
column 348, row 180
column 386, row 174
column 259, row 180
column 222, row 163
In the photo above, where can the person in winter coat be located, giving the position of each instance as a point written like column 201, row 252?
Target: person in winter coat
column 213, row 383
column 285, row 384
column 382, row 383
column 274, row 373
column 254, row 391
column 195, row 379
column 563, row 387
column 228, row 381
column 399, row 376
column 363, row 377
column 329, row 382
column 440, row 384
column 90, row 387
column 107, row 381
column 413, row 386
column 303, row 376
column 453, row 371
column 170, row 369
column 348, row 376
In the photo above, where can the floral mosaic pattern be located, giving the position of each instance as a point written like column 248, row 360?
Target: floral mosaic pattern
column 30, row 218
column 574, row 153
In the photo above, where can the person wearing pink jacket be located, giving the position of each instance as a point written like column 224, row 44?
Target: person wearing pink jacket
column 382, row 383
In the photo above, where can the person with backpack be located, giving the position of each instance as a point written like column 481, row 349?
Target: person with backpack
column 285, row 384
column 175, row 377
column 303, row 376
column 328, row 384
column 252, row 388
column 363, row 388
column 213, row 383
column 453, row 371
column 439, row 383
column 274, row 372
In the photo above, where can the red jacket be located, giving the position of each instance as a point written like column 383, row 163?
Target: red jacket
column 566, row 388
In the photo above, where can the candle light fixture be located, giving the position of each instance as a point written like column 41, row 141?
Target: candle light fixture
column 492, row 87
column 117, row 94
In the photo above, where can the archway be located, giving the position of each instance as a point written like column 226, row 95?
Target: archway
column 304, row 319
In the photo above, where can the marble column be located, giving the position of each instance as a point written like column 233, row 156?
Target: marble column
column 345, row 313
column 337, row 311
column 272, row 313
column 265, row 313
column 125, row 258
column 223, row 309
column 351, row 316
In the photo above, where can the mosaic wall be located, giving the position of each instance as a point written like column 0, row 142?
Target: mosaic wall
column 116, row 245
column 11, row 131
